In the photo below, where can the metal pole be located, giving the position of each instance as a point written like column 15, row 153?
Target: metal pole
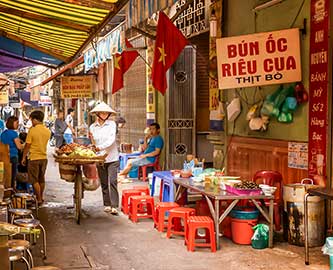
column 217, row 227
column 306, row 223
column 271, row 221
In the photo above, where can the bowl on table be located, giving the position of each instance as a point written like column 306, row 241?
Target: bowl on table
column 185, row 174
column 268, row 190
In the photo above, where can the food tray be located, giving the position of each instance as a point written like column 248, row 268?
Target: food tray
column 78, row 160
column 239, row 191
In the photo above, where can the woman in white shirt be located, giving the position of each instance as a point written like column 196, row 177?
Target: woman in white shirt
column 103, row 136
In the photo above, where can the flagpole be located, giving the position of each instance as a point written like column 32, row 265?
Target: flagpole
column 137, row 49
column 144, row 60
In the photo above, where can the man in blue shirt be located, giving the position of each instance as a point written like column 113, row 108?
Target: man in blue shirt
column 152, row 146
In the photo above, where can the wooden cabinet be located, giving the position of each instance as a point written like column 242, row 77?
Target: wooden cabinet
column 248, row 155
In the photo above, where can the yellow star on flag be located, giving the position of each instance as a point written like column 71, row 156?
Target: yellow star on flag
column 163, row 54
column 116, row 62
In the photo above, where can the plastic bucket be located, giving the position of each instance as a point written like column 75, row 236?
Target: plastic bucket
column 241, row 230
column 331, row 262
column 248, row 213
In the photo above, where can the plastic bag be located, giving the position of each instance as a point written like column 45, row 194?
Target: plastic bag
column 260, row 237
column 90, row 171
column 91, row 184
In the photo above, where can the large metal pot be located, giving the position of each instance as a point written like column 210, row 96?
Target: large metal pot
column 293, row 197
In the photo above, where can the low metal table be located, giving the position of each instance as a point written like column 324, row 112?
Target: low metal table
column 214, row 192
column 324, row 193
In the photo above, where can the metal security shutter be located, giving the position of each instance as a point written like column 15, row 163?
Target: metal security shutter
column 131, row 101
column 181, row 108
column 201, row 43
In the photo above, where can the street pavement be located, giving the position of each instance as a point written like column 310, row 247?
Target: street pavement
column 103, row 241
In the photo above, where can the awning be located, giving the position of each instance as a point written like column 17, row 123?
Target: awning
column 10, row 63
column 60, row 29
column 16, row 50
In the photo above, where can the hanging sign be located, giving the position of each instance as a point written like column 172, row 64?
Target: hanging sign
column 259, row 59
column 318, row 88
column 76, row 86
column 4, row 97
column 103, row 51
column 45, row 100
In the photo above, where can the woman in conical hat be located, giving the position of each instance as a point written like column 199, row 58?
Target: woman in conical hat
column 103, row 135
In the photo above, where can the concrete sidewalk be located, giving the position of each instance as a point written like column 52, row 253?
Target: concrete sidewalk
column 103, row 241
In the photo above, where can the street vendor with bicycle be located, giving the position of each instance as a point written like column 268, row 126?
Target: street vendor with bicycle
column 103, row 135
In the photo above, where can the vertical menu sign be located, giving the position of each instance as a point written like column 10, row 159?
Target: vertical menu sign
column 318, row 88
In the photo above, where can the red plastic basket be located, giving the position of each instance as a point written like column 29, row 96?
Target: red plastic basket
column 239, row 191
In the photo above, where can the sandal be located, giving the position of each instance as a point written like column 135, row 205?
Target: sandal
column 114, row 211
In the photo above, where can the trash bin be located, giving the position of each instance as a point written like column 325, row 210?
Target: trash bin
column 293, row 197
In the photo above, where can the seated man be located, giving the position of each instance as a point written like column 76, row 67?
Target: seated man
column 152, row 146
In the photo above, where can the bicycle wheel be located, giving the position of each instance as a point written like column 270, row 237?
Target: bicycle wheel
column 78, row 195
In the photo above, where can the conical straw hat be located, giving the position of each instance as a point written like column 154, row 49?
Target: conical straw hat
column 102, row 107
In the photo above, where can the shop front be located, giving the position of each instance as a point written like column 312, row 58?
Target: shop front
column 265, row 131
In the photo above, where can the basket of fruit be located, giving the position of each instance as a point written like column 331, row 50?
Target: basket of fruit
column 244, row 188
column 78, row 154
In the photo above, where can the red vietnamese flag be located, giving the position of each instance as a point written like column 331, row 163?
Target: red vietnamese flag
column 122, row 63
column 169, row 44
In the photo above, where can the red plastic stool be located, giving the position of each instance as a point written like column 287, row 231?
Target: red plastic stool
column 200, row 222
column 174, row 221
column 144, row 190
column 135, row 207
column 160, row 210
column 126, row 194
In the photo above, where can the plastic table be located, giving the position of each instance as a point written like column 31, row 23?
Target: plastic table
column 215, row 193
column 167, row 185
column 124, row 157
column 325, row 193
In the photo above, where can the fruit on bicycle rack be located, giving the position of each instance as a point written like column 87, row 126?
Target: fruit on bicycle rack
column 74, row 149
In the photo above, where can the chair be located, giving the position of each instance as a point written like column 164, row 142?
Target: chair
column 141, row 203
column 161, row 210
column 30, row 223
column 22, row 246
column 125, row 199
column 272, row 178
column 176, row 215
column 142, row 170
column 15, row 256
column 200, row 222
